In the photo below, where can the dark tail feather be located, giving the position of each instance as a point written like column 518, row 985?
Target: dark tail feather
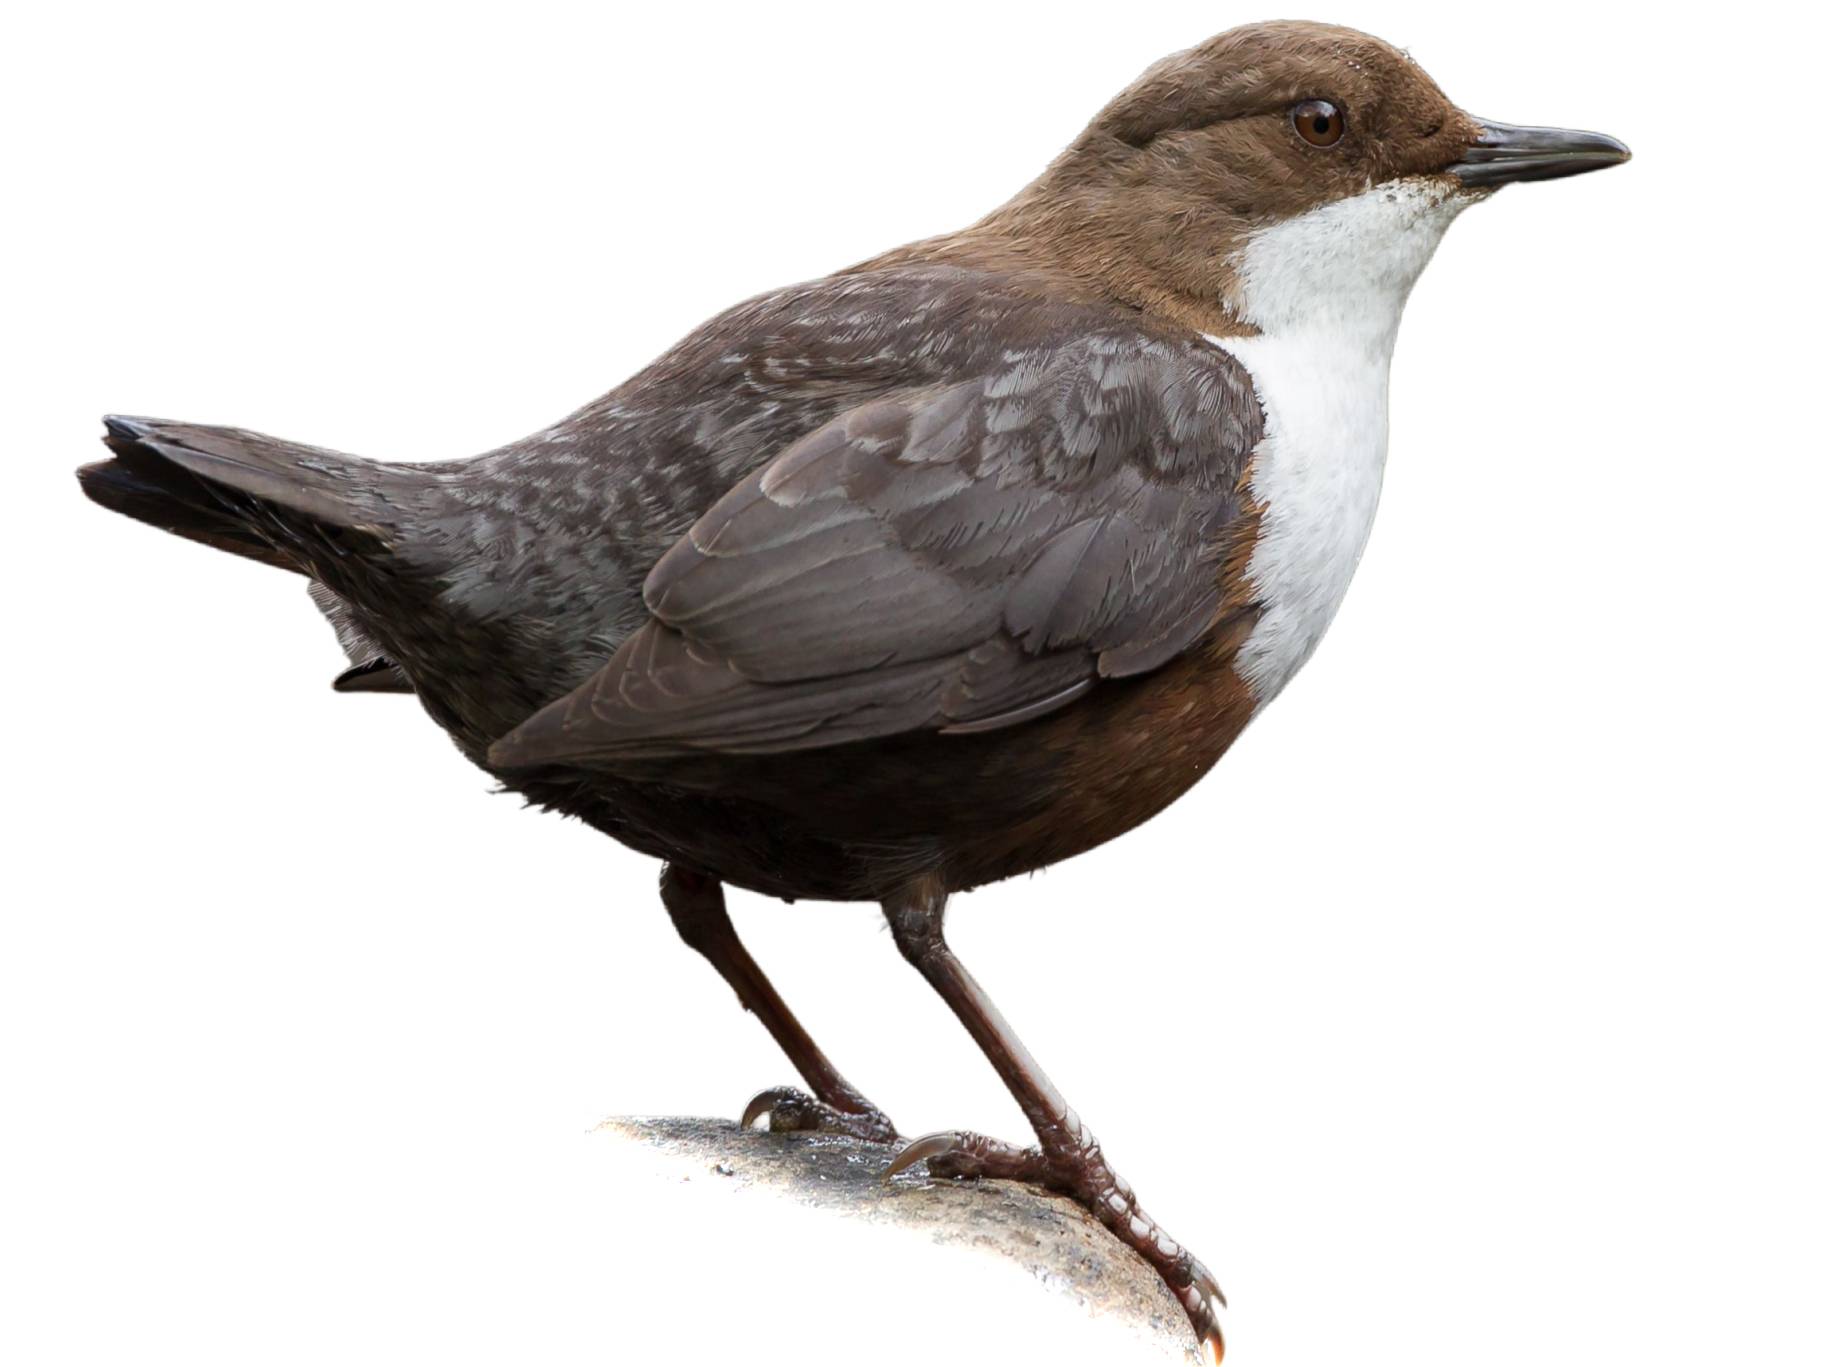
column 328, row 516
column 164, row 495
column 274, row 501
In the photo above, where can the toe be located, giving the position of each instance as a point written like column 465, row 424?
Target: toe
column 788, row 1110
column 963, row 1153
column 781, row 1106
column 1199, row 1300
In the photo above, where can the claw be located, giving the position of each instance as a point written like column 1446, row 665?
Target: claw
column 763, row 1103
column 925, row 1146
column 1196, row 1302
column 788, row 1110
column 1216, row 1291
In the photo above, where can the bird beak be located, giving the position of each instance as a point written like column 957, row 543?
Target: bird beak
column 1506, row 152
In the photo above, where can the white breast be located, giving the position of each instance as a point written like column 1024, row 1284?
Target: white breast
column 1325, row 291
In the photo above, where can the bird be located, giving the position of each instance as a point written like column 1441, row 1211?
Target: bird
column 941, row 568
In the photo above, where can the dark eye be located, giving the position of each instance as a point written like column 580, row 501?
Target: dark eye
column 1318, row 122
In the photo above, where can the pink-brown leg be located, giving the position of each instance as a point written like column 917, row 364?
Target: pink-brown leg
column 700, row 913
column 1067, row 1158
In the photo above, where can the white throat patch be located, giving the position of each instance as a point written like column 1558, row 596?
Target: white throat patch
column 1325, row 290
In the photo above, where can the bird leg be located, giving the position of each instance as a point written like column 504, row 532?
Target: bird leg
column 700, row 913
column 1067, row 1158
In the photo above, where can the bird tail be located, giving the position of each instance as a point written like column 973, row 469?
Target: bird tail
column 337, row 519
column 277, row 502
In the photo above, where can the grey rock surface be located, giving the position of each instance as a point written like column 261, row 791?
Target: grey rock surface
column 1050, row 1238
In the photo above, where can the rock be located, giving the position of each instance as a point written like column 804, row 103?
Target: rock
column 990, row 1271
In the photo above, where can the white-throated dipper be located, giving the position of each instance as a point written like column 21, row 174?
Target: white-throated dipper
column 936, row 570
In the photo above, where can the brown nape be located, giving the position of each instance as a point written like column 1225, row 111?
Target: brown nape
column 1149, row 204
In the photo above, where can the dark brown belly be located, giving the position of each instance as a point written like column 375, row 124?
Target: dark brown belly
column 853, row 822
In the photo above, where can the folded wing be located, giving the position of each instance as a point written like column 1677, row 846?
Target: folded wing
column 954, row 559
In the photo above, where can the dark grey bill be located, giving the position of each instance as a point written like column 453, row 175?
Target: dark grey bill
column 1506, row 152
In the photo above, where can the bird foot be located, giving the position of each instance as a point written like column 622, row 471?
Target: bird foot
column 788, row 1110
column 1074, row 1166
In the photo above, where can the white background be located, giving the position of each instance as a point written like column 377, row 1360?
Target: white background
column 1479, row 984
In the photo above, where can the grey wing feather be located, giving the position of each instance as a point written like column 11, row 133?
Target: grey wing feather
column 953, row 559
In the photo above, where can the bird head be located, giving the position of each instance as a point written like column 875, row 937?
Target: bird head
column 1332, row 148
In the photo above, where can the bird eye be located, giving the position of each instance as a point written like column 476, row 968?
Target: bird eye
column 1318, row 122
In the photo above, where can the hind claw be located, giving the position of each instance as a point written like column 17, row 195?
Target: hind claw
column 762, row 1103
column 790, row 1111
